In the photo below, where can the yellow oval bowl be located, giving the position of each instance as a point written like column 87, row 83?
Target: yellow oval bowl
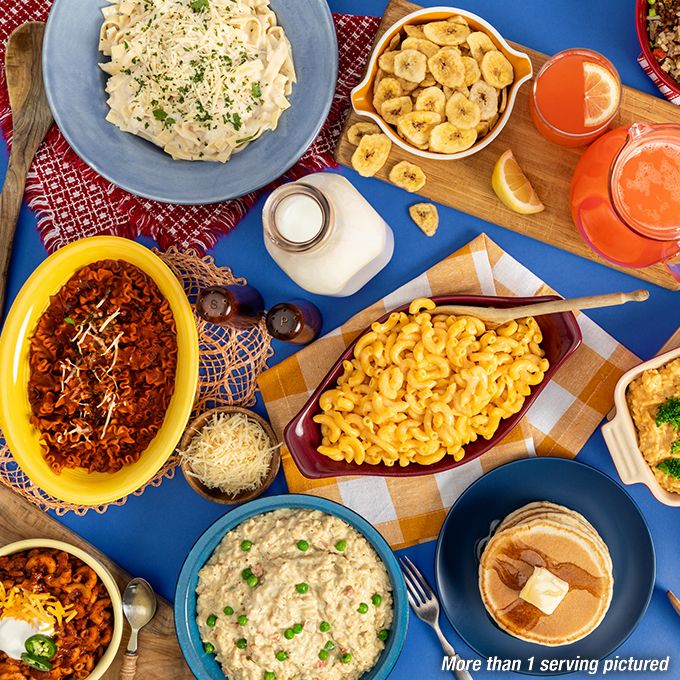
column 77, row 485
column 362, row 94
column 106, row 578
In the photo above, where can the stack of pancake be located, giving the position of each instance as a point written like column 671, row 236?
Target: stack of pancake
column 544, row 536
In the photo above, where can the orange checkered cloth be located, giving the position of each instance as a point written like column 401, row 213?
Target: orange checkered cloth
column 568, row 411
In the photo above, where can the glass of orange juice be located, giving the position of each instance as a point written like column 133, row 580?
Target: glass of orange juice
column 575, row 97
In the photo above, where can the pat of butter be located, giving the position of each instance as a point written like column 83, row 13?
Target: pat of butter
column 544, row 590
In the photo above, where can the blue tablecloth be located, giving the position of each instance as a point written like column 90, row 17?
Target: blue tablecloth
column 150, row 535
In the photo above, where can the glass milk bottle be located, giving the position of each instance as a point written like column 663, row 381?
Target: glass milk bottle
column 325, row 235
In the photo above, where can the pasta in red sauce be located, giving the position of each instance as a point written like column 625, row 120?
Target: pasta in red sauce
column 103, row 360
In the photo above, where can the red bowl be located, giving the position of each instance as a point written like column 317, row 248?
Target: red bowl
column 641, row 11
column 561, row 338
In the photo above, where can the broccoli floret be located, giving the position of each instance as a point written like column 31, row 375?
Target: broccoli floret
column 669, row 412
column 670, row 466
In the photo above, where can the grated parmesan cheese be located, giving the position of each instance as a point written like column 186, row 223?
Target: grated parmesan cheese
column 231, row 453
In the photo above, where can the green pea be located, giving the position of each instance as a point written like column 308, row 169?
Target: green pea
column 346, row 658
column 211, row 621
column 363, row 608
column 268, row 675
column 241, row 643
column 376, row 600
column 289, row 633
column 341, row 545
column 303, row 545
column 302, row 588
column 208, row 648
column 383, row 634
column 246, row 573
column 228, row 611
column 297, row 628
column 246, row 545
column 324, row 626
column 329, row 645
column 281, row 655
column 253, row 581
column 323, row 655
column 242, row 620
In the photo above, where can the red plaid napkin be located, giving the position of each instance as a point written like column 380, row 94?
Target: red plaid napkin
column 666, row 91
column 73, row 201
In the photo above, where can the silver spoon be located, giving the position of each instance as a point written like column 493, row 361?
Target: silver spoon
column 139, row 607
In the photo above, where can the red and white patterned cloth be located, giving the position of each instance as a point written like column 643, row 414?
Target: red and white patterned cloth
column 673, row 97
column 73, row 201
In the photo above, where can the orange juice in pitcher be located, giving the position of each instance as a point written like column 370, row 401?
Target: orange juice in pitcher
column 625, row 196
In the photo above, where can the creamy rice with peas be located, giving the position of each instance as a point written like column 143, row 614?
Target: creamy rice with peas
column 294, row 593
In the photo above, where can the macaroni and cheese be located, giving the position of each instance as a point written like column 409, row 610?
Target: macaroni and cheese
column 423, row 386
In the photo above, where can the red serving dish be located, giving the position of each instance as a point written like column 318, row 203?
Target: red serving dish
column 561, row 338
column 641, row 11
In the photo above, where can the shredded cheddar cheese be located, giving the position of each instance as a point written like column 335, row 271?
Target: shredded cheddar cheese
column 231, row 453
column 22, row 604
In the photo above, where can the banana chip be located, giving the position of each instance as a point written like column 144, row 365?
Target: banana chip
column 417, row 125
column 428, row 81
column 410, row 65
column 458, row 19
column 425, row 215
column 371, row 154
column 463, row 113
column 387, row 88
column 394, row 43
column 386, row 61
column 359, row 130
column 393, row 109
column 407, row 86
column 446, row 32
column 504, row 100
column 431, row 99
column 447, row 67
column 497, row 70
column 408, row 176
column 447, row 138
column 486, row 97
column 472, row 71
column 414, row 31
column 479, row 44
column 427, row 47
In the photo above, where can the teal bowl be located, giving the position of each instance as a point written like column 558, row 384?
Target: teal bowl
column 203, row 665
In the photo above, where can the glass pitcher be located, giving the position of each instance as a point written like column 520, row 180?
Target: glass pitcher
column 625, row 196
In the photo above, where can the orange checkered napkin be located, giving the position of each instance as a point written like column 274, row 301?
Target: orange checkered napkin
column 411, row 510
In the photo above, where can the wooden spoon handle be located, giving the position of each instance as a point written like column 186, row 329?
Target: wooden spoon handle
column 10, row 205
column 128, row 669
column 675, row 602
column 499, row 315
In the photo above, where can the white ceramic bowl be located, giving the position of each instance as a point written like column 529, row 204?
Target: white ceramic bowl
column 362, row 94
column 621, row 437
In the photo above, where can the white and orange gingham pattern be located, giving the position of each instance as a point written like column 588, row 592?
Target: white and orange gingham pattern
column 411, row 510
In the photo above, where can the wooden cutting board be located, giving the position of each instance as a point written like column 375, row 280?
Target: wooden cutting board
column 466, row 184
column 159, row 655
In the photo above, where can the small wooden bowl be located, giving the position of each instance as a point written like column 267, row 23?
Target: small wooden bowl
column 215, row 494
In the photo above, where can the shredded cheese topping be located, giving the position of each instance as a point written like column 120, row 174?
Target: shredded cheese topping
column 231, row 453
column 31, row 607
column 199, row 78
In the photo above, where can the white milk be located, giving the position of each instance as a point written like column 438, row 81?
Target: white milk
column 325, row 235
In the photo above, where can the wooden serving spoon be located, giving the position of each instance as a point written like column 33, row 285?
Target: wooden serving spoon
column 501, row 315
column 31, row 119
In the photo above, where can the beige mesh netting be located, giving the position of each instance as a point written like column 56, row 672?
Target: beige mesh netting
column 230, row 362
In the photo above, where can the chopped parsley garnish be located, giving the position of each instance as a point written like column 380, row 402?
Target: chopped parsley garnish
column 256, row 90
column 669, row 412
column 671, row 466
column 200, row 5
column 159, row 114
column 70, row 320
column 243, row 140
column 236, row 121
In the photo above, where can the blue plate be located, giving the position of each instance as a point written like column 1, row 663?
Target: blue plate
column 203, row 665
column 575, row 485
column 75, row 87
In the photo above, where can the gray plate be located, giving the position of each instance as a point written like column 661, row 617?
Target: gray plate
column 76, row 93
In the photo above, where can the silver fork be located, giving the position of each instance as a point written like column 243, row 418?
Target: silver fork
column 426, row 606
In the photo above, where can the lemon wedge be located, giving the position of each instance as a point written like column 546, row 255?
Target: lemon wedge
column 512, row 186
column 602, row 94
